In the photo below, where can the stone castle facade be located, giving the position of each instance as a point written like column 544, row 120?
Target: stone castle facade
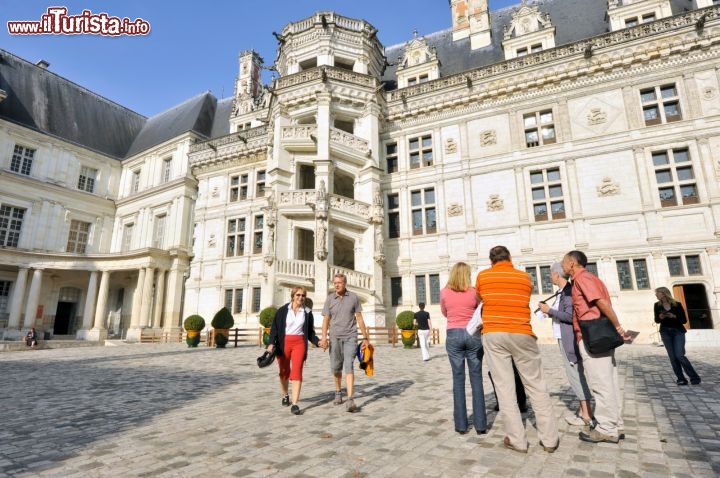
column 543, row 127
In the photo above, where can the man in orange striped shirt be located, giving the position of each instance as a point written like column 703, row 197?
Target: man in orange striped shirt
column 507, row 337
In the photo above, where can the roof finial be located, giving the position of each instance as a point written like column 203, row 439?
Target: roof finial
column 414, row 32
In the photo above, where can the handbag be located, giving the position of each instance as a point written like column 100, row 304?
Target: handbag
column 600, row 335
column 475, row 321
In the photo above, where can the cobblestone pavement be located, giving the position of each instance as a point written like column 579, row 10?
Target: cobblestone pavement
column 166, row 410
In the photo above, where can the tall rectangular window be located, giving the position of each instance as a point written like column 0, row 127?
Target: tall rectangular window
column 395, row 290
column 633, row 274
column 660, row 104
column 693, row 265
column 11, row 219
column 239, row 187
column 546, row 284
column 422, row 203
column 159, row 231
column 539, row 128
column 592, row 267
column 434, row 288
column 22, row 159
column 391, row 157
column 421, row 151
column 86, row 180
column 675, row 266
column 167, row 169
column 235, row 244
column 260, row 184
column 420, row 293
column 258, row 235
column 135, row 181
column 393, row 208
column 675, row 178
column 4, row 295
column 127, row 237
column 532, row 272
column 547, row 194
column 234, row 300
column 256, row 299
column 78, row 237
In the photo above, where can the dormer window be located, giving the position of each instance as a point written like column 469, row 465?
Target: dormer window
column 417, row 80
column 631, row 14
column 419, row 64
column 529, row 31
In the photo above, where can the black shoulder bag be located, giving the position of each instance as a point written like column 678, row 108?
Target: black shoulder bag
column 599, row 335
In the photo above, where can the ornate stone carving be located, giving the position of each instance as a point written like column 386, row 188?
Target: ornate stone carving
column 495, row 203
column 608, row 187
column 526, row 19
column 215, row 192
column 709, row 92
column 417, row 51
column 351, row 206
column 596, row 116
column 212, row 242
column 378, row 209
column 321, row 201
column 321, row 240
column 455, row 209
column 450, row 146
column 488, row 137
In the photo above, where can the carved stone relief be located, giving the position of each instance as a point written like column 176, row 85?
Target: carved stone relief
column 596, row 116
column 608, row 187
column 494, row 203
column 488, row 137
column 215, row 192
column 709, row 92
column 450, row 146
column 455, row 209
column 212, row 242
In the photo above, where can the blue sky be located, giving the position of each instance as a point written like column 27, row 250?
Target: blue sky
column 193, row 46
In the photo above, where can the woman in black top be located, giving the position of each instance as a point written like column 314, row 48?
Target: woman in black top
column 670, row 314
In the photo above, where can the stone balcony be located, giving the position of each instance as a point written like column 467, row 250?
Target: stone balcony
column 302, row 201
column 297, row 272
column 303, row 138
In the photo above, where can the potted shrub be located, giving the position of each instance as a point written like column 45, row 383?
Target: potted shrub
column 193, row 324
column 222, row 322
column 404, row 321
column 266, row 318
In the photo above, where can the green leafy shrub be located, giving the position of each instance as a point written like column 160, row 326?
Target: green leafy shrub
column 404, row 320
column 194, row 322
column 267, row 315
column 223, row 319
column 220, row 341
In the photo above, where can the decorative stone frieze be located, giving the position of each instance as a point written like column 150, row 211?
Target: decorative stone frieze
column 349, row 140
column 341, row 203
column 296, row 198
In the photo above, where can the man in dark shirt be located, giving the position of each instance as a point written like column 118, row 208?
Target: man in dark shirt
column 423, row 324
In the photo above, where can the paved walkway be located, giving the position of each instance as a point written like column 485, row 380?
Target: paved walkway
column 166, row 410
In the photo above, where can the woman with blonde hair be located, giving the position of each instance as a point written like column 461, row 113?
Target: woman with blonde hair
column 671, row 316
column 458, row 301
column 291, row 330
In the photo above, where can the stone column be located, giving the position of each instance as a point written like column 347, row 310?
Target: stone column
column 98, row 332
column 17, row 298
column 174, row 299
column 159, row 298
column 137, row 300
column 89, row 310
column 147, row 296
column 33, row 299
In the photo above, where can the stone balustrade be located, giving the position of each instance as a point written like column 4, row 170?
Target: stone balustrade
column 295, row 268
column 354, row 278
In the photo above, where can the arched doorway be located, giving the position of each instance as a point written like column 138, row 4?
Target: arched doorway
column 694, row 298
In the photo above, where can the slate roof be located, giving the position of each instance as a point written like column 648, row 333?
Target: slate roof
column 221, row 125
column 574, row 20
column 195, row 114
column 46, row 102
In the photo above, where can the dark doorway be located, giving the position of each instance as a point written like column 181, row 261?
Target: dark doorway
column 694, row 298
column 63, row 317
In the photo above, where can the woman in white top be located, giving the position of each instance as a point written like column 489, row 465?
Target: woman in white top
column 291, row 330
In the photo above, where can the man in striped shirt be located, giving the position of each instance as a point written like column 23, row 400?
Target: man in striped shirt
column 507, row 337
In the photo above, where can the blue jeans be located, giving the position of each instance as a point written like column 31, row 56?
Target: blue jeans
column 462, row 347
column 674, row 341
